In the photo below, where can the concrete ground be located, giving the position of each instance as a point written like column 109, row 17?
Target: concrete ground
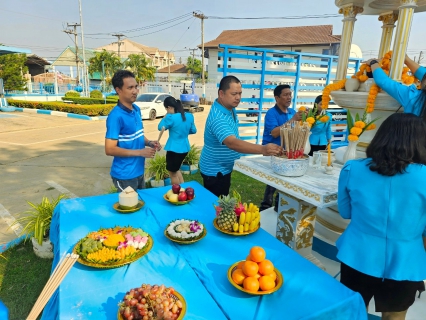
column 43, row 155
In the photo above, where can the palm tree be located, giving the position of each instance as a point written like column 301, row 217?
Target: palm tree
column 111, row 61
column 140, row 66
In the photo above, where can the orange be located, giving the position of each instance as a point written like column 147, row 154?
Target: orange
column 251, row 284
column 257, row 276
column 249, row 258
column 266, row 283
column 257, row 254
column 273, row 275
column 266, row 267
column 250, row 268
column 238, row 276
column 240, row 264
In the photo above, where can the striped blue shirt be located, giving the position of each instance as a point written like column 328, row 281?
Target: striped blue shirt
column 216, row 156
column 125, row 126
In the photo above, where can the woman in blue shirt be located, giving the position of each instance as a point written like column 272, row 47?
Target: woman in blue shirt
column 381, row 251
column 412, row 99
column 180, row 125
column 321, row 131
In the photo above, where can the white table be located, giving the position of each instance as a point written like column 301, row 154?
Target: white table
column 299, row 197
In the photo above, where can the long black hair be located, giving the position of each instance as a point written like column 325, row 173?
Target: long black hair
column 422, row 98
column 399, row 141
column 175, row 104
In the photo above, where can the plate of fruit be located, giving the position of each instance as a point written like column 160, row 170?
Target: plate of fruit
column 152, row 302
column 113, row 247
column 236, row 218
column 179, row 196
column 185, row 231
column 256, row 275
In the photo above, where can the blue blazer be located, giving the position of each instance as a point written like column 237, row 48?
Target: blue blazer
column 388, row 219
column 321, row 132
column 408, row 96
column 178, row 131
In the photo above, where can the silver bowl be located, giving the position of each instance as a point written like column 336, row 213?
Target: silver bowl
column 289, row 167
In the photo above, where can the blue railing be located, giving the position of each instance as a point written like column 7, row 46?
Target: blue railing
column 49, row 89
column 261, row 70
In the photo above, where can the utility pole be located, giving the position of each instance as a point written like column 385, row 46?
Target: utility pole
column 85, row 71
column 202, row 17
column 420, row 57
column 75, row 25
column 119, row 36
column 168, row 78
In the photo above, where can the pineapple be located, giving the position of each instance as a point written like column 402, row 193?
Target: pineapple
column 226, row 216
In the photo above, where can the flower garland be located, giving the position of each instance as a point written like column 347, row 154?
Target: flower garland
column 326, row 92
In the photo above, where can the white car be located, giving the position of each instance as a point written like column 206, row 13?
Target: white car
column 151, row 105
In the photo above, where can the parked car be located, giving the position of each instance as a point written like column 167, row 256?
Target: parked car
column 151, row 105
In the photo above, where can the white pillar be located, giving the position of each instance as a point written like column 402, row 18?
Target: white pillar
column 387, row 32
column 349, row 12
column 71, row 72
column 56, row 80
column 405, row 19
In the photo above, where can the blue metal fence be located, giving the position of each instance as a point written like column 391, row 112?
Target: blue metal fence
column 261, row 70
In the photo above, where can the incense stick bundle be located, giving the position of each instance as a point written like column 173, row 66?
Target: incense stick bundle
column 293, row 139
column 57, row 276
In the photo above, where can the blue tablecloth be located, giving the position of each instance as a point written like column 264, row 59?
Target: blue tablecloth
column 198, row 271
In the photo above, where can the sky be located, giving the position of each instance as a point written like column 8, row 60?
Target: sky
column 38, row 25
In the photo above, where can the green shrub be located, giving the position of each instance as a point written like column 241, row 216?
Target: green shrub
column 72, row 94
column 88, row 110
column 96, row 94
column 85, row 101
column 113, row 98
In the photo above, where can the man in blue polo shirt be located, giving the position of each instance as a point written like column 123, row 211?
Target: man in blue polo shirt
column 274, row 119
column 222, row 143
column 125, row 139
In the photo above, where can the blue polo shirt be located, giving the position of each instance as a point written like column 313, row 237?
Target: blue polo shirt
column 217, row 157
column 275, row 117
column 125, row 126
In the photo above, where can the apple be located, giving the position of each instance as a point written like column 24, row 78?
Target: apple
column 190, row 194
column 182, row 190
column 169, row 193
column 174, row 198
column 182, row 196
column 176, row 188
column 189, row 189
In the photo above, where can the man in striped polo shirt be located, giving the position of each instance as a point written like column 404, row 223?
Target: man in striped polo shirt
column 125, row 139
column 222, row 143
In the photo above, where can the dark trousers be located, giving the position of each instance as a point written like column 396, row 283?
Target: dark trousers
column 316, row 148
column 268, row 197
column 218, row 185
column 135, row 183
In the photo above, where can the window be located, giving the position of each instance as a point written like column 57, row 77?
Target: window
column 230, row 59
column 146, row 97
column 298, row 50
column 162, row 97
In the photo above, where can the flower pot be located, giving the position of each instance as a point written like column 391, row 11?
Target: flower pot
column 157, row 184
column 167, row 182
column 189, row 169
column 45, row 250
column 350, row 151
column 352, row 84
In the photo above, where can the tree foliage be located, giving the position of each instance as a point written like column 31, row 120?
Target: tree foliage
column 194, row 66
column 140, row 66
column 111, row 61
column 12, row 70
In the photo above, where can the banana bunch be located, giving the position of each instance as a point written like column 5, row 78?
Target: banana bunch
column 248, row 220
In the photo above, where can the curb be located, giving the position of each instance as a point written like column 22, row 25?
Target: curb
column 60, row 114
column 12, row 243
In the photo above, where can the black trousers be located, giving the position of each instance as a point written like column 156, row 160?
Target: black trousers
column 316, row 148
column 218, row 185
column 268, row 198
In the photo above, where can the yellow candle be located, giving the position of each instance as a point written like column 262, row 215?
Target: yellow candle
column 329, row 155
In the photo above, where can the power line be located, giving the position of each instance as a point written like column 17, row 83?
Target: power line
column 278, row 18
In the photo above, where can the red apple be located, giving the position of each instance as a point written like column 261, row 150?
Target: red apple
column 176, row 188
column 182, row 196
column 190, row 195
column 189, row 189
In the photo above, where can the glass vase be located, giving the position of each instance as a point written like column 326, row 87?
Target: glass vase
column 350, row 151
column 307, row 147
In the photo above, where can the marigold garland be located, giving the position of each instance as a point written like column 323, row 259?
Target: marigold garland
column 326, row 92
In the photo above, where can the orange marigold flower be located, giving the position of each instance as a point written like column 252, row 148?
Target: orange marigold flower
column 359, row 124
column 354, row 77
column 356, row 131
column 310, row 120
column 368, row 69
column 362, row 68
column 363, row 78
column 405, row 69
column 324, row 119
column 352, row 137
column 409, row 80
column 302, row 108
column 371, row 127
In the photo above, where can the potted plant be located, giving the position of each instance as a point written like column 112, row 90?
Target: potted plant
column 157, row 170
column 36, row 224
column 190, row 163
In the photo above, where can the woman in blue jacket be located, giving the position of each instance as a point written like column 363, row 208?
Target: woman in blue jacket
column 412, row 99
column 180, row 125
column 321, row 131
column 382, row 252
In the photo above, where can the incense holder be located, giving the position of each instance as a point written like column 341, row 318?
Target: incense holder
column 329, row 170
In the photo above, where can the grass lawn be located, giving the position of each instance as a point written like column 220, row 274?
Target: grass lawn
column 23, row 275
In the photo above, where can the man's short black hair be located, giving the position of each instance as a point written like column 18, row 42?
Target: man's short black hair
column 117, row 79
column 225, row 83
column 280, row 88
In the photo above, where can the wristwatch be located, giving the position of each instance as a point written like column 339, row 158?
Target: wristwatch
column 373, row 62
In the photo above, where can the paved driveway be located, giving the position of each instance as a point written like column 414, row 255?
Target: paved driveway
column 42, row 155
